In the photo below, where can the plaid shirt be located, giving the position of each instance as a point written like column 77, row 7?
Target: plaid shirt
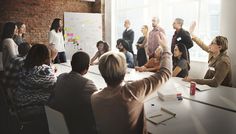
column 12, row 73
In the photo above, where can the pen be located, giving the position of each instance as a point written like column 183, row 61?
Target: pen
column 165, row 110
column 155, row 115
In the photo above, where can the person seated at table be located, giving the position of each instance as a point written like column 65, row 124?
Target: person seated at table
column 72, row 96
column 180, row 61
column 153, row 64
column 36, row 84
column 123, row 47
column 119, row 107
column 219, row 71
column 12, row 71
column 102, row 47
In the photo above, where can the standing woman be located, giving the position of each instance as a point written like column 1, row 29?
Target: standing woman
column 180, row 61
column 141, row 46
column 8, row 45
column 19, row 38
column 57, row 40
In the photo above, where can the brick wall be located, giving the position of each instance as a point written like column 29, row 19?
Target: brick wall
column 39, row 14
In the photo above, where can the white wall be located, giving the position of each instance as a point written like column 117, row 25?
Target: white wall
column 198, row 69
column 108, row 21
column 227, row 28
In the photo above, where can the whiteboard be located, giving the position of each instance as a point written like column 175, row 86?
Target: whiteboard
column 82, row 32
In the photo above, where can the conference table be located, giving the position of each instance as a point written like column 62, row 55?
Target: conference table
column 221, row 97
column 191, row 118
column 207, row 112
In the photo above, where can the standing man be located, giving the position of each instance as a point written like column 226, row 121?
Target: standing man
column 153, row 43
column 181, row 36
column 128, row 35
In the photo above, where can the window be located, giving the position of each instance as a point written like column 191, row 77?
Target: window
column 140, row 12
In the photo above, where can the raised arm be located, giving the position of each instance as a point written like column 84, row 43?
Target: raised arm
column 201, row 44
column 198, row 41
column 142, row 88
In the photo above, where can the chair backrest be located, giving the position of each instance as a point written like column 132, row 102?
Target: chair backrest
column 56, row 121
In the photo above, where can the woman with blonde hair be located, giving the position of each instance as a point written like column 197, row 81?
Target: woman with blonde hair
column 125, row 100
column 141, row 46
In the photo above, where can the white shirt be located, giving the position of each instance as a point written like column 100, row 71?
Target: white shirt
column 9, row 51
column 57, row 39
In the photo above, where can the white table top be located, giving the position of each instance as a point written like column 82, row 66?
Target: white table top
column 192, row 118
column 221, row 97
column 192, row 115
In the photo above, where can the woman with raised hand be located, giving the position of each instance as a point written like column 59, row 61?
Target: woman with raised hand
column 219, row 71
column 8, row 46
column 125, row 100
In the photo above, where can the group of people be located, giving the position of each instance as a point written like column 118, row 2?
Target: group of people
column 30, row 83
column 27, row 73
column 219, row 72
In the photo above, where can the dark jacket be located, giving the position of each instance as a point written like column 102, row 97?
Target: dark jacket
column 128, row 35
column 184, row 37
column 72, row 99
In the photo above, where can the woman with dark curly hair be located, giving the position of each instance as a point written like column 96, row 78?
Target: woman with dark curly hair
column 180, row 61
column 102, row 47
column 56, row 39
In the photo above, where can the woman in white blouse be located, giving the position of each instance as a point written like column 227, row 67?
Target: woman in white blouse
column 8, row 47
column 57, row 40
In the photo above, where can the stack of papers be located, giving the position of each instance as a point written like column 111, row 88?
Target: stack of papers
column 161, row 116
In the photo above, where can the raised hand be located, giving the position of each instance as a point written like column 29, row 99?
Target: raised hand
column 162, row 39
column 192, row 27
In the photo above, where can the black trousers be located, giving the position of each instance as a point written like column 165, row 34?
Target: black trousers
column 61, row 57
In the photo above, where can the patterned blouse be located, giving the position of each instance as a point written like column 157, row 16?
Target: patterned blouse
column 35, row 86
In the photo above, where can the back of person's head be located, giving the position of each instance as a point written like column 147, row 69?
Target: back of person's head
column 80, row 62
column 8, row 30
column 38, row 55
column 112, row 66
column 24, row 48
column 55, row 24
column 179, row 21
column 221, row 41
